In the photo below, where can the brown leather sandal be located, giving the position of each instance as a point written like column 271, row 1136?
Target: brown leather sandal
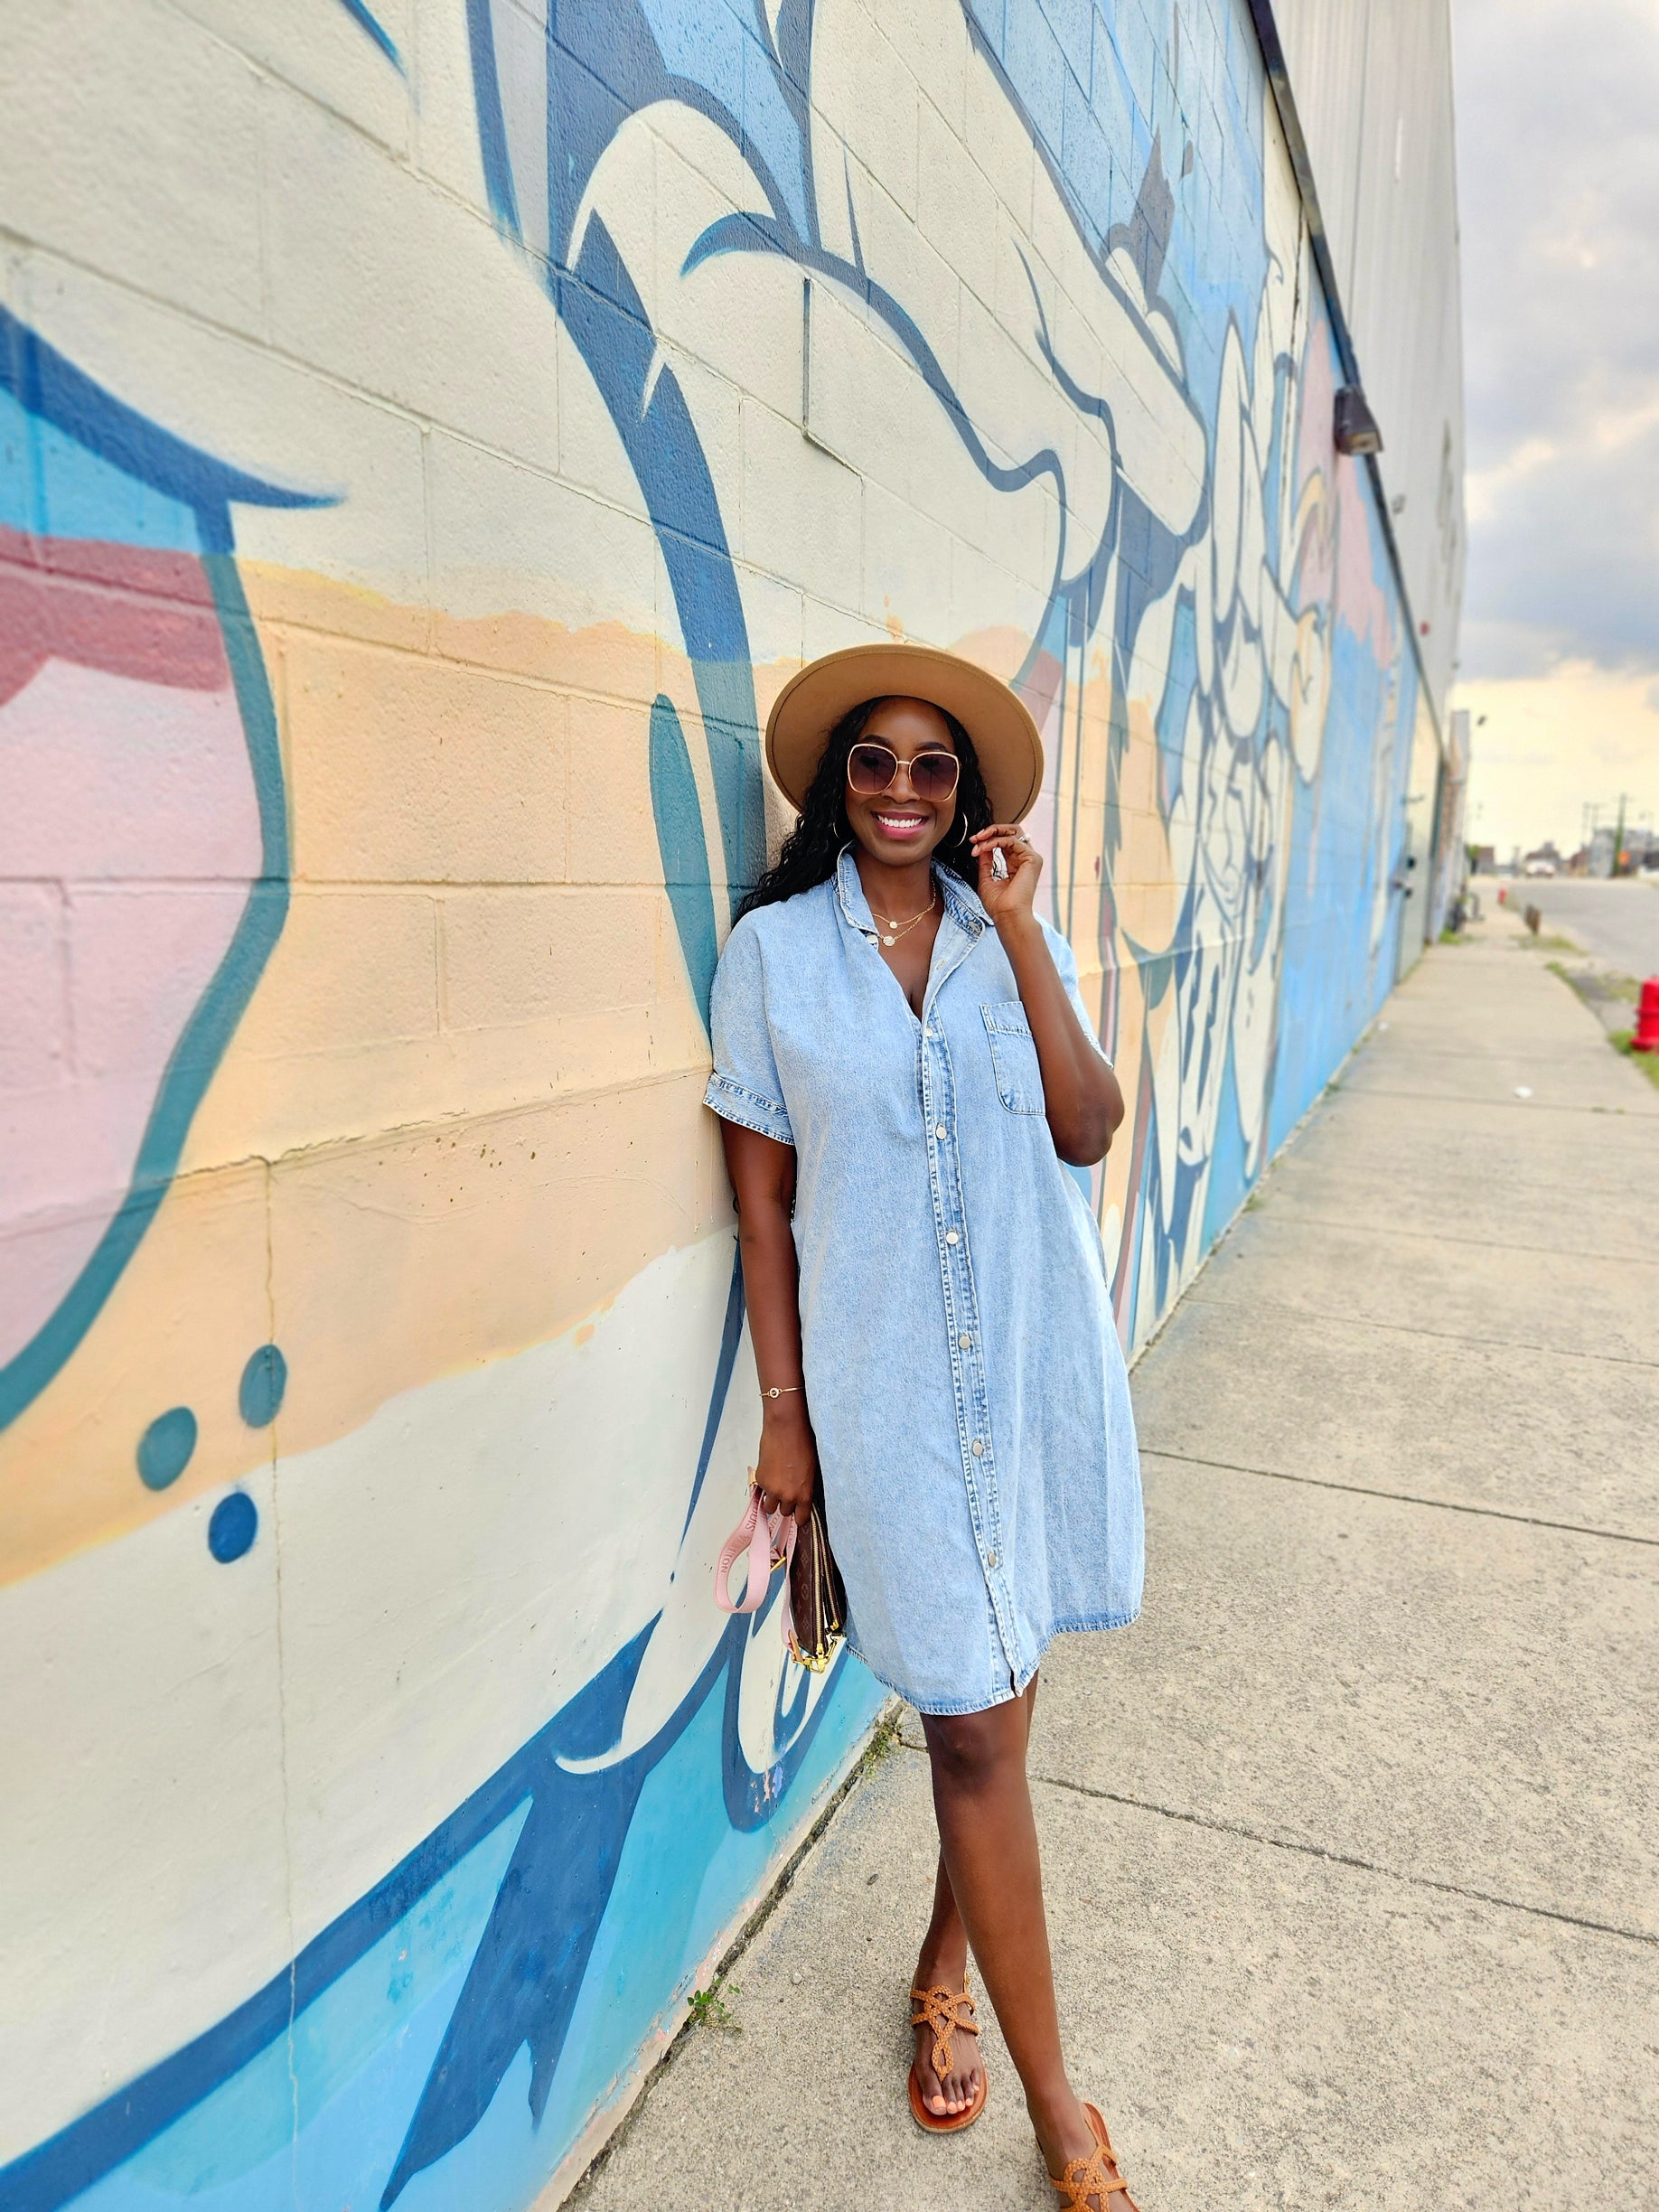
column 1095, row 2177
column 947, row 2013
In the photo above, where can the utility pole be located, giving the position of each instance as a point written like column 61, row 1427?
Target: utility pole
column 1618, row 834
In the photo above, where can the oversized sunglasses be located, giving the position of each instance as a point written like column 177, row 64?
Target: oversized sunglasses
column 872, row 769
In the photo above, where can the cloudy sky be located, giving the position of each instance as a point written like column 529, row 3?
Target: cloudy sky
column 1557, row 164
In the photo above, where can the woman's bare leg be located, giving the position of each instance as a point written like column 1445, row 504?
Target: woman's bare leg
column 988, row 1837
column 945, row 1960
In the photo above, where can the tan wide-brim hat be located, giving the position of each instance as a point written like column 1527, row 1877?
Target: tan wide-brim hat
column 998, row 720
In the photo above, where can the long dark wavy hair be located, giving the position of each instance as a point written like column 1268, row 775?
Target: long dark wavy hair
column 814, row 846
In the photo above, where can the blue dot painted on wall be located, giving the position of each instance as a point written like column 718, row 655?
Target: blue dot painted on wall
column 165, row 1446
column 233, row 1528
column 264, row 1380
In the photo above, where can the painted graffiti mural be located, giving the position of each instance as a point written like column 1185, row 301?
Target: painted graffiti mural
column 429, row 435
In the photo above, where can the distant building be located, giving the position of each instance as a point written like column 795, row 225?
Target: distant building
column 1640, row 850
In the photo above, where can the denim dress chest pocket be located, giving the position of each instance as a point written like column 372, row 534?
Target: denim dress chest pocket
column 1014, row 1057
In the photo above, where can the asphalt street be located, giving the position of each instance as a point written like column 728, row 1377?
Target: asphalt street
column 1617, row 922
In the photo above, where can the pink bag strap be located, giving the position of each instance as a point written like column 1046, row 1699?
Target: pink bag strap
column 761, row 1536
column 750, row 1535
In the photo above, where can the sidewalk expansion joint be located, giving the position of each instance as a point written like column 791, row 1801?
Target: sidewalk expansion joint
column 1408, row 1328
column 1590, row 1054
column 1347, row 1859
column 1512, row 1105
column 1300, row 1216
column 1401, row 1498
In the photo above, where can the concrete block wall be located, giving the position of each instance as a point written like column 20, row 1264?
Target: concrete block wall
column 430, row 432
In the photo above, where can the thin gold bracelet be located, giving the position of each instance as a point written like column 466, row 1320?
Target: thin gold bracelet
column 783, row 1391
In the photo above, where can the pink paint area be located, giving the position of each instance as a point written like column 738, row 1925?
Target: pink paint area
column 1039, row 827
column 1316, row 421
column 1042, row 692
column 129, row 836
column 129, row 610
column 1364, row 599
column 1336, row 558
column 107, row 779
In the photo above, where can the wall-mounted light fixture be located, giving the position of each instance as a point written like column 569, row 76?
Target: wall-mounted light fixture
column 1355, row 428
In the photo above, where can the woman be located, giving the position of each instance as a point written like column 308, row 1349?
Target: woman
column 906, row 1078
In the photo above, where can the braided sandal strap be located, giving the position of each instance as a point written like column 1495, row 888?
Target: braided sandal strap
column 1088, row 2184
column 944, row 2011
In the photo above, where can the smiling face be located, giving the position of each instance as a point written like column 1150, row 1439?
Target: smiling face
column 900, row 826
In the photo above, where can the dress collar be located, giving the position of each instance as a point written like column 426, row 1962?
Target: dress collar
column 962, row 905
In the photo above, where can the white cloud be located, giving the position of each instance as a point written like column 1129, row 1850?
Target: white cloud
column 1557, row 105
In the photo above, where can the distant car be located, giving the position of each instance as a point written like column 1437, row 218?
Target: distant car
column 1538, row 868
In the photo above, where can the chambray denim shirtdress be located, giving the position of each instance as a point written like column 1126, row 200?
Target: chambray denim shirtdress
column 964, row 1374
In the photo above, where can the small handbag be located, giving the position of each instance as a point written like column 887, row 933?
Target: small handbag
column 817, row 1596
column 814, row 1619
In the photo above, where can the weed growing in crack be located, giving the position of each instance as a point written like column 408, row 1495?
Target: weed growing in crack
column 709, row 2008
column 884, row 1742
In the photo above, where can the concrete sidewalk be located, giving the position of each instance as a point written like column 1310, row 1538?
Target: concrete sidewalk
column 1352, row 1846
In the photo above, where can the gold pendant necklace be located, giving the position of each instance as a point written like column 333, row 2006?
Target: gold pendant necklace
column 899, row 928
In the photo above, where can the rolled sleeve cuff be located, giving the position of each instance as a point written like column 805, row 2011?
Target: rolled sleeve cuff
column 732, row 1102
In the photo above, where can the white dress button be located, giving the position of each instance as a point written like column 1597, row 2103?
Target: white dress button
column 978, row 1447
column 964, row 1344
column 990, row 1559
column 938, row 1131
column 951, row 1237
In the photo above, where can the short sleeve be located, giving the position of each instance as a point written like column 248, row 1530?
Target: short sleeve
column 1065, row 960
column 744, row 1086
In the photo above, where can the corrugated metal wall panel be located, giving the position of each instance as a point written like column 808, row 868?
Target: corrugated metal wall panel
column 1373, row 85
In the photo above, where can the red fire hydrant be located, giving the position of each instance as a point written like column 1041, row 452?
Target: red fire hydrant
column 1646, row 1037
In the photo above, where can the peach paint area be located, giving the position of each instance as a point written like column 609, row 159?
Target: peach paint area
column 477, row 938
